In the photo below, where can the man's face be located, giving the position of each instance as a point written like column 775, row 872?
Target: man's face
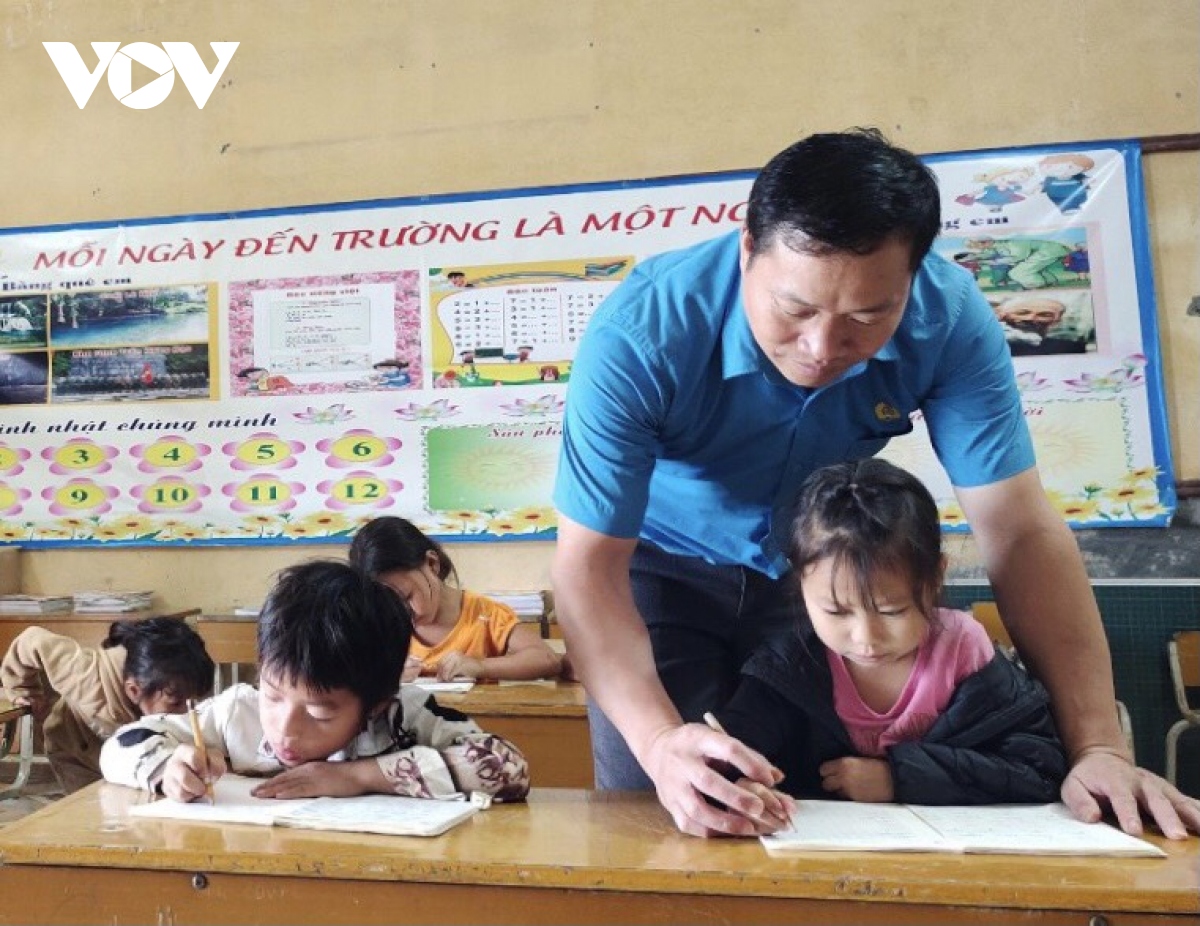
column 1038, row 315
column 815, row 317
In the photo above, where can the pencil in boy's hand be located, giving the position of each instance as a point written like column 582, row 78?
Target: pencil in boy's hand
column 201, row 749
column 713, row 723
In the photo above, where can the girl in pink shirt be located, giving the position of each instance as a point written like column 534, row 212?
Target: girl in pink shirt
column 878, row 694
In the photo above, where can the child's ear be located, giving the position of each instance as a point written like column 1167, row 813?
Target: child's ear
column 378, row 708
column 133, row 691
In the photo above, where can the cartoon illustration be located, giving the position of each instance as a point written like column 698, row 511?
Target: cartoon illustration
column 393, row 373
column 1065, row 180
column 447, row 380
column 1001, row 187
column 261, row 379
column 1079, row 262
column 1028, row 263
column 549, row 373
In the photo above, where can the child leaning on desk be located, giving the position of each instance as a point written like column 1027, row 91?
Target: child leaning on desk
column 81, row 694
column 456, row 633
column 329, row 717
column 878, row 695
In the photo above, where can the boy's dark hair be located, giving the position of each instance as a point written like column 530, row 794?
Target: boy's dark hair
column 869, row 515
column 386, row 544
column 163, row 654
column 844, row 192
column 326, row 624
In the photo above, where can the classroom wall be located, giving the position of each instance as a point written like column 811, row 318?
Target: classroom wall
column 329, row 101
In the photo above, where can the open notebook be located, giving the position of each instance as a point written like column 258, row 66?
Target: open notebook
column 1026, row 829
column 388, row 814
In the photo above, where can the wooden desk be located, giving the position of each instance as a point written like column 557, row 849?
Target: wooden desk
column 548, row 721
column 566, row 857
column 88, row 629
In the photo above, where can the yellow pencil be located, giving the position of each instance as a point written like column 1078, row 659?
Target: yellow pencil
column 201, row 749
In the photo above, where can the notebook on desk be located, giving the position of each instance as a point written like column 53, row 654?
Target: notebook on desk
column 387, row 814
column 1024, row 829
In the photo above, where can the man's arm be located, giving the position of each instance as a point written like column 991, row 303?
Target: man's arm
column 1046, row 601
column 610, row 650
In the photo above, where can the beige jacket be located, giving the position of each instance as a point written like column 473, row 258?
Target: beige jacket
column 91, row 701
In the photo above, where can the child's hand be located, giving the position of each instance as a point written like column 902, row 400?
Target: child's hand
column 412, row 669
column 778, row 808
column 458, row 665
column 866, row 780
column 185, row 778
column 39, row 705
column 324, row 779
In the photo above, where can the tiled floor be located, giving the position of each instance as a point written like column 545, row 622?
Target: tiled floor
column 40, row 790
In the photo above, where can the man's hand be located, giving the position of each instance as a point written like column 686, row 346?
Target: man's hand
column 679, row 762
column 1101, row 777
column 868, row 781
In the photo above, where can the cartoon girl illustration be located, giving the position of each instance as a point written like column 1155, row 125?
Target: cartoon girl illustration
column 1001, row 187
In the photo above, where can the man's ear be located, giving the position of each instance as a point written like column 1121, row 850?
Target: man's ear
column 745, row 249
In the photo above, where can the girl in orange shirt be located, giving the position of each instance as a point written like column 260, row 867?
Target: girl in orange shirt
column 456, row 633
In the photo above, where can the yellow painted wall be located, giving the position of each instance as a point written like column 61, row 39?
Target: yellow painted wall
column 358, row 99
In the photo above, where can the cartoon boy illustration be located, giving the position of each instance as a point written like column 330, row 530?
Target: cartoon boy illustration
column 1065, row 180
column 393, row 373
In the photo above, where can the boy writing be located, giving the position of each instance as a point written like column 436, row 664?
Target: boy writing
column 329, row 717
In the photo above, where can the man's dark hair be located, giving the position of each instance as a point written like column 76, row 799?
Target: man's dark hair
column 844, row 192
column 326, row 624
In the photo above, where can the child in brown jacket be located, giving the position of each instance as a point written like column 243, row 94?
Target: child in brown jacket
column 81, row 694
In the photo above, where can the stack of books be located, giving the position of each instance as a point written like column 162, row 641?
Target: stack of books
column 528, row 605
column 112, row 602
column 34, row 604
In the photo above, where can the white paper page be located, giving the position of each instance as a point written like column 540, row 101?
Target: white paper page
column 459, row 684
column 379, row 813
column 1042, row 829
column 850, row 827
column 233, row 803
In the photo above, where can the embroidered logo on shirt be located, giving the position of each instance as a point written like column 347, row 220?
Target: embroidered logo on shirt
column 885, row 412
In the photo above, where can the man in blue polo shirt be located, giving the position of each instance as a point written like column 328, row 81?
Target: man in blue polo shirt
column 710, row 384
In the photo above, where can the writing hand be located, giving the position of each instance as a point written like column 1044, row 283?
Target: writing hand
column 412, row 669
column 458, row 665
column 680, row 761
column 186, row 777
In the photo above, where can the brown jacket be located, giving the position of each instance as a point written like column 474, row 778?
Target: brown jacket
column 91, row 700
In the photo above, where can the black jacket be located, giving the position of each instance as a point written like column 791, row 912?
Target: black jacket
column 995, row 743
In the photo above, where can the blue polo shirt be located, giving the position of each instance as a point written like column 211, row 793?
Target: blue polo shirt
column 679, row 429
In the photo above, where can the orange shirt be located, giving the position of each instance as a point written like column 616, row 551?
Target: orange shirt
column 482, row 631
